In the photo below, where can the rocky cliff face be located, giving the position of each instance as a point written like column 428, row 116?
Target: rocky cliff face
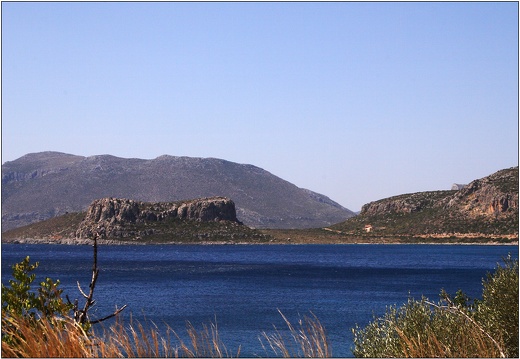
column 121, row 218
column 485, row 207
column 492, row 196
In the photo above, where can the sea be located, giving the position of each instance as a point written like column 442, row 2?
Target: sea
column 244, row 288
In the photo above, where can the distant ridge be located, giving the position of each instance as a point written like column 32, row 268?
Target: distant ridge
column 43, row 185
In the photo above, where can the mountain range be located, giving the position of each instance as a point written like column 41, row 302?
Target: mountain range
column 484, row 211
column 39, row 186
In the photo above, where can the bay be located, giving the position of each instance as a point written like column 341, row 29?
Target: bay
column 242, row 287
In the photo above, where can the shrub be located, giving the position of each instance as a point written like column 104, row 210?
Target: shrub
column 18, row 299
column 498, row 310
column 454, row 327
column 415, row 330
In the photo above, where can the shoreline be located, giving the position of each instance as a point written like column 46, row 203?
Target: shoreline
column 390, row 241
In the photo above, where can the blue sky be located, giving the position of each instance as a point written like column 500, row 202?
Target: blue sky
column 357, row 101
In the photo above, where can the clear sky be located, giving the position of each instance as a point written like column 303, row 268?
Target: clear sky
column 357, row 101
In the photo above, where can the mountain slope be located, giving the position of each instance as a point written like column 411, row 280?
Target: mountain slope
column 486, row 207
column 43, row 185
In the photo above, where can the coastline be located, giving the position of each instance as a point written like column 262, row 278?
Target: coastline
column 276, row 241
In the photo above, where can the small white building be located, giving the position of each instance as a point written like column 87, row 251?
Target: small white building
column 368, row 228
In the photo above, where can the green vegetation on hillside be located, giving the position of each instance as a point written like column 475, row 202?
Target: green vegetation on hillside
column 192, row 232
column 427, row 221
column 168, row 231
column 505, row 180
column 485, row 209
column 64, row 226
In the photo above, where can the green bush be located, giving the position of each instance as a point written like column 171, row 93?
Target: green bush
column 454, row 327
column 498, row 310
column 18, row 299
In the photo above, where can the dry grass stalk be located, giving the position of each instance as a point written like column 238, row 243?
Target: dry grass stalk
column 309, row 337
column 133, row 341
column 137, row 341
column 66, row 339
column 454, row 309
column 44, row 338
column 205, row 343
column 425, row 348
column 468, row 344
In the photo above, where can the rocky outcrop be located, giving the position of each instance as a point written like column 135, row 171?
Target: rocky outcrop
column 123, row 218
column 495, row 195
column 485, row 208
column 492, row 196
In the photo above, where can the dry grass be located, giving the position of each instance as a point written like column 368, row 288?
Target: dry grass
column 470, row 343
column 309, row 339
column 136, row 341
column 205, row 343
column 133, row 341
column 31, row 338
column 63, row 338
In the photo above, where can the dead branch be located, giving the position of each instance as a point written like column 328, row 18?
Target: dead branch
column 81, row 315
column 109, row 316
column 81, row 291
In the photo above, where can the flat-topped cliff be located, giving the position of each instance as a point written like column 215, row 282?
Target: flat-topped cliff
column 110, row 218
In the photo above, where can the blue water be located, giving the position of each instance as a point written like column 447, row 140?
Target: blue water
column 243, row 286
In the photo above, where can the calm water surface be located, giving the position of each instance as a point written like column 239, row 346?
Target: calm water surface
column 243, row 286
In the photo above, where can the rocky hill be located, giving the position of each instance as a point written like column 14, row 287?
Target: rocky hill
column 43, row 185
column 111, row 218
column 118, row 220
column 485, row 208
column 484, row 211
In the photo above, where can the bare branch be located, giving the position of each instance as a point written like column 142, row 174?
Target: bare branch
column 81, row 290
column 81, row 315
column 89, row 301
column 109, row 316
